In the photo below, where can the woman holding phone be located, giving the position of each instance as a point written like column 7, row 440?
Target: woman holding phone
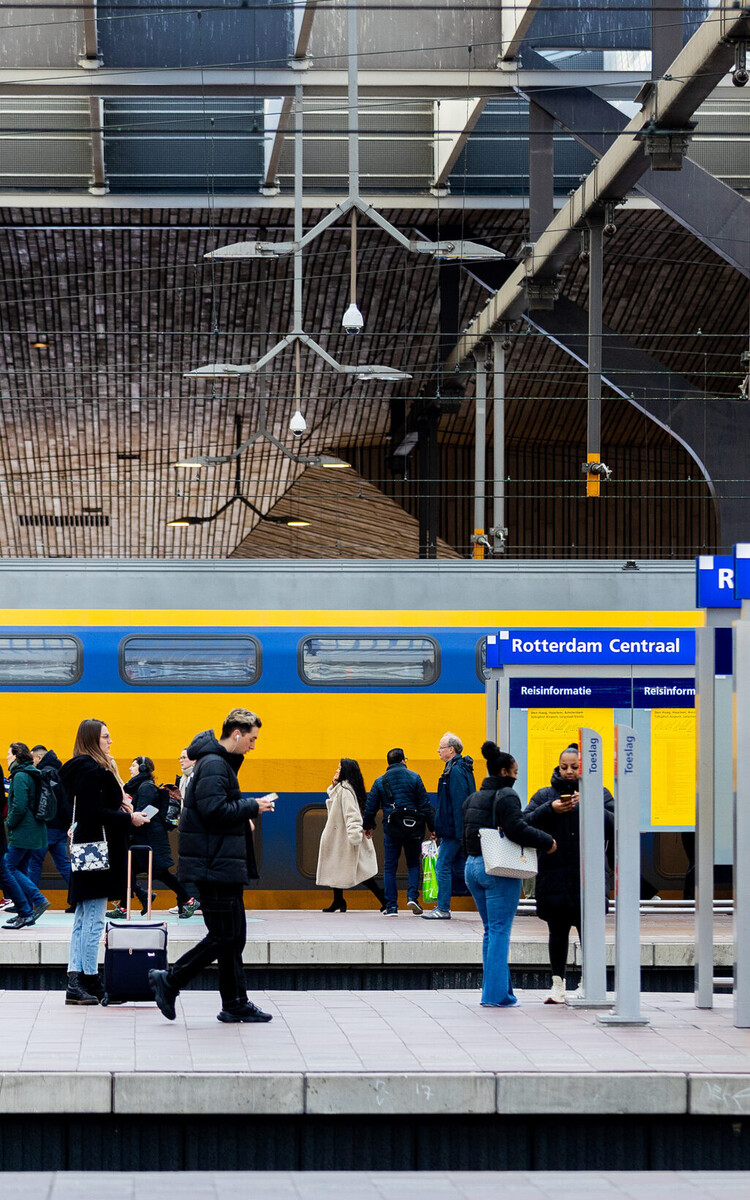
column 147, row 797
column 558, row 884
column 346, row 858
column 101, row 812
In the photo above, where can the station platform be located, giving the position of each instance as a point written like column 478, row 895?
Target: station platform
column 381, row 1185
column 362, row 948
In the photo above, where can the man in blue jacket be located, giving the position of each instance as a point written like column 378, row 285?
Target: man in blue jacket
column 407, row 814
column 454, row 785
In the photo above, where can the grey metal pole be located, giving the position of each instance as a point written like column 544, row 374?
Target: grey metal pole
column 491, row 692
column 627, row 882
column 480, row 440
column 596, row 275
column 298, row 184
column 499, row 529
column 705, row 698
column 593, row 876
column 741, row 856
column 353, row 99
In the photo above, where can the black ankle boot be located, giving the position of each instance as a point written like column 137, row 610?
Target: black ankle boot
column 76, row 992
column 338, row 905
column 94, row 986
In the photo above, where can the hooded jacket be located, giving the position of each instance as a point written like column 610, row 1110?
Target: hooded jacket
column 143, row 792
column 24, row 831
column 98, row 797
column 216, row 844
column 558, row 884
column 455, row 784
column 408, row 791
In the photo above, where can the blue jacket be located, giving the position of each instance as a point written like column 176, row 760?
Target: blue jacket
column 454, row 785
column 408, row 792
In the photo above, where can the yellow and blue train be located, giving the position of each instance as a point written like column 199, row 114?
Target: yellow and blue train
column 338, row 659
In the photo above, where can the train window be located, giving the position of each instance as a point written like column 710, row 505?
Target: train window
column 197, row 660
column 369, row 661
column 481, row 659
column 57, row 661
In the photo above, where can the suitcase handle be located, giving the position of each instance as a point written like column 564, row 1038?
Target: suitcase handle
column 150, row 852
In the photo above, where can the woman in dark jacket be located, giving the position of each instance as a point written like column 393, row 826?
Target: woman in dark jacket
column 496, row 805
column 144, row 793
column 558, row 884
column 100, row 812
column 25, row 834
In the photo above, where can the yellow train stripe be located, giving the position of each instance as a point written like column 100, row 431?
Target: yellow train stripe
column 359, row 618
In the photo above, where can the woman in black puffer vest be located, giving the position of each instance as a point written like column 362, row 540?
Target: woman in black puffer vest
column 496, row 804
column 558, row 884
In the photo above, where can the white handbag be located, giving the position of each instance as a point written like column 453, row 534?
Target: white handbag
column 504, row 857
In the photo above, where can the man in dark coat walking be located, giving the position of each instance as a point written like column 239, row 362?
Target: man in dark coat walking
column 406, row 813
column 216, row 852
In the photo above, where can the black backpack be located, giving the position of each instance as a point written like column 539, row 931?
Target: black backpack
column 44, row 803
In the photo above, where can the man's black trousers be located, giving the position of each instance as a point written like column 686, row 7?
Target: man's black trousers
column 224, row 913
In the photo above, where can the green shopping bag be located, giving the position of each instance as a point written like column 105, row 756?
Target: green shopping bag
column 429, row 877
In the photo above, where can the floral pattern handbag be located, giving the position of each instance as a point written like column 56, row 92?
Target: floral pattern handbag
column 88, row 856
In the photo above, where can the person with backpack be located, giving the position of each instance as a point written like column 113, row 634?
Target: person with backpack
column 144, row 793
column 407, row 815
column 58, row 814
column 25, row 833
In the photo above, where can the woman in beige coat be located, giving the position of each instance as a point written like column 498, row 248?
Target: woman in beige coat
column 346, row 857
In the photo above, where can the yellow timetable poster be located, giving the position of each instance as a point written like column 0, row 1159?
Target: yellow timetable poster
column 672, row 766
column 550, row 730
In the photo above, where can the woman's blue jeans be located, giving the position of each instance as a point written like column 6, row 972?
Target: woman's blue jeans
column 496, row 899
column 88, row 924
column 12, row 891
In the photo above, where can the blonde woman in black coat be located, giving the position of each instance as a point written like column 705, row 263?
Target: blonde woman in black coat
column 101, row 811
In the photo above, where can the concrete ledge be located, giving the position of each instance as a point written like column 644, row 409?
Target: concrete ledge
column 324, row 953
column 405, row 1094
column 429, row 954
column 591, row 1092
column 719, row 1095
column 14, row 953
column 207, row 1094
column 55, row 1092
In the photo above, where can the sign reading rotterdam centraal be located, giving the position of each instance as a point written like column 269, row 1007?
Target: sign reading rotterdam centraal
column 591, row 647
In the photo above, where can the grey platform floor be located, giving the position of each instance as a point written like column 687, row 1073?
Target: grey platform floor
column 427, row 1185
column 389, row 1052
column 302, row 937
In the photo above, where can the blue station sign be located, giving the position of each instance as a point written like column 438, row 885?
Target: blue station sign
column 741, row 564
column 591, row 647
column 714, row 581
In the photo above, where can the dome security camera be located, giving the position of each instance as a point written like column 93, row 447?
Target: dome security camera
column 297, row 425
column 740, row 76
column 353, row 321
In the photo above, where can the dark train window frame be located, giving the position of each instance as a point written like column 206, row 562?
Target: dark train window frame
column 299, row 831
column 478, row 658
column 213, row 683
column 397, row 684
column 41, row 637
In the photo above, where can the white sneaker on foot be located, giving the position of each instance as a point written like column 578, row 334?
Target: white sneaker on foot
column 557, row 991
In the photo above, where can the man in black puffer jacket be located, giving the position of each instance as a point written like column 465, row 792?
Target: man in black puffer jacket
column 216, row 853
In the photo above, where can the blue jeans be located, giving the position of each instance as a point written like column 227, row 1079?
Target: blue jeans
column 88, row 924
column 413, row 851
column 449, row 848
column 15, row 860
column 496, row 899
column 12, row 891
column 58, row 848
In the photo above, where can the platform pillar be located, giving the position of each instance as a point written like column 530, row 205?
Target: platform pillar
column 593, row 875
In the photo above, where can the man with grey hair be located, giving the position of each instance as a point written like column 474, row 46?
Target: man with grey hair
column 454, row 785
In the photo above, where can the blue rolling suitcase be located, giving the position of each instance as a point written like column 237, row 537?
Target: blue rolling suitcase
column 132, row 950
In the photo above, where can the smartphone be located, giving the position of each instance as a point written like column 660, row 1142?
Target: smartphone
column 271, row 796
column 150, row 811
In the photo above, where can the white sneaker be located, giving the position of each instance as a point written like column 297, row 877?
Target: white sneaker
column 174, row 911
column 557, row 991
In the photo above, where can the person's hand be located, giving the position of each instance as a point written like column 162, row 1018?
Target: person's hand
column 565, row 803
column 139, row 819
column 552, row 848
column 267, row 803
column 367, row 833
column 126, row 805
column 252, row 826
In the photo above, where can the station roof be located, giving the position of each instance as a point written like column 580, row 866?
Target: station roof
column 136, row 138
